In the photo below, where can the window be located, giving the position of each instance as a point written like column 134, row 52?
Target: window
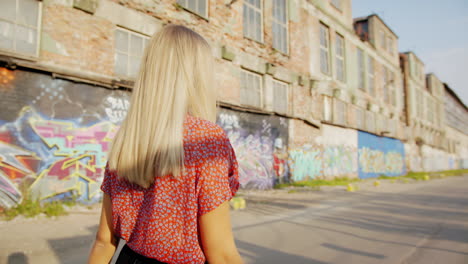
column 370, row 121
column 129, row 47
column 324, row 49
column 280, row 97
column 339, row 113
column 390, row 45
column 360, row 117
column 19, row 26
column 327, row 109
column 385, row 84
column 370, row 75
column 383, row 40
column 420, row 104
column 280, row 26
column 337, row 4
column 361, row 69
column 252, row 15
column 340, row 62
column 198, row 7
column 251, row 89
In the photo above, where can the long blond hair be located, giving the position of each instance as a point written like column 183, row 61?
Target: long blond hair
column 175, row 79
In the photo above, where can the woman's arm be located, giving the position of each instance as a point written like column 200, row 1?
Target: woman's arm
column 105, row 243
column 217, row 238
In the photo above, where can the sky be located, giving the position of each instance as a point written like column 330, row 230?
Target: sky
column 436, row 31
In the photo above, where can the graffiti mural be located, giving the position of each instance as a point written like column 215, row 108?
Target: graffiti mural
column 260, row 143
column 54, row 137
column 380, row 156
column 333, row 154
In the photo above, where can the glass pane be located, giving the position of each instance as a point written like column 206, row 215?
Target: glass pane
column 134, row 66
column 245, row 23
column 251, row 23
column 202, row 7
column 120, row 64
column 6, row 35
column 136, row 45
column 192, row 5
column 121, row 40
column 27, row 12
column 8, row 10
column 258, row 26
column 25, row 40
column 282, row 11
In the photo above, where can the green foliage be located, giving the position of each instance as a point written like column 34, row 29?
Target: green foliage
column 316, row 183
column 32, row 207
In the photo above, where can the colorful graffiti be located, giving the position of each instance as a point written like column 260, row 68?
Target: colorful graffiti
column 260, row 143
column 55, row 136
column 380, row 156
column 323, row 161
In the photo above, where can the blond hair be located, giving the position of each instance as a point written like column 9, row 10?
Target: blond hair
column 175, row 79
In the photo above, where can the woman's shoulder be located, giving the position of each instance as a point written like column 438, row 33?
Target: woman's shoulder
column 200, row 127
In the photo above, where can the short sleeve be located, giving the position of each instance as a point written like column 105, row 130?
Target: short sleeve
column 106, row 185
column 219, row 178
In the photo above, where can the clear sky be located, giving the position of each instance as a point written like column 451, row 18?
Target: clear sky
column 437, row 31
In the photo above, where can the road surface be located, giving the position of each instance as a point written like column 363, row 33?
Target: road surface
column 421, row 222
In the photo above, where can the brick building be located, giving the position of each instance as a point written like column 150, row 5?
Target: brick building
column 304, row 90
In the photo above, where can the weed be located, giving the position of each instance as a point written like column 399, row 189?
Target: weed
column 318, row 182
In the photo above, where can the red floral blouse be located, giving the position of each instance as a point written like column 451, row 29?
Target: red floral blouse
column 161, row 221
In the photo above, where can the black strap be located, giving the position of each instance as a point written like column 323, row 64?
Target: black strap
column 128, row 256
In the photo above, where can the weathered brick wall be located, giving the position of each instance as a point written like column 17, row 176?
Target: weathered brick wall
column 75, row 39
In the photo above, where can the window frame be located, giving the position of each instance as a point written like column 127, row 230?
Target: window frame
column 127, row 53
column 325, row 48
column 286, row 87
column 281, row 24
column 184, row 5
column 246, row 4
column 342, row 59
column 13, row 52
column 245, row 89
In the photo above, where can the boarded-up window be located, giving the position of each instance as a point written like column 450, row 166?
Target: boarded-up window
column 370, row 76
column 129, row 48
column 280, row 97
column 361, row 70
column 251, row 91
column 198, row 7
column 19, row 26
column 340, row 58
column 252, row 19
column 324, row 49
column 280, row 26
column 339, row 113
column 370, row 121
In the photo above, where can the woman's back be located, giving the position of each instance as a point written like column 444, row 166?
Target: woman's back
column 161, row 221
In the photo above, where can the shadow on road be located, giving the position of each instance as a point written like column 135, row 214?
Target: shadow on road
column 258, row 255
column 74, row 249
column 17, row 258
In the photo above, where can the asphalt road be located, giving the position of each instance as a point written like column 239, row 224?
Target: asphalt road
column 423, row 222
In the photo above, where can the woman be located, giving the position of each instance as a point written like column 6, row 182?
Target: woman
column 171, row 171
